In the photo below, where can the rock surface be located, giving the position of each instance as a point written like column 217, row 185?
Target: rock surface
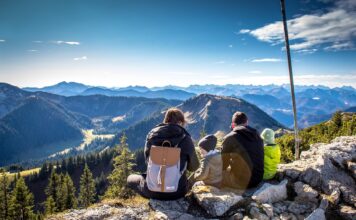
column 269, row 193
column 107, row 212
column 305, row 192
column 176, row 209
column 216, row 202
column 321, row 183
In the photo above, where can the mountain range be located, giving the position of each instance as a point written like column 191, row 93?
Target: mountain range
column 38, row 124
column 34, row 125
column 72, row 89
column 314, row 103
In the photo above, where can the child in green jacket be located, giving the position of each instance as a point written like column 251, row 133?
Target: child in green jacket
column 272, row 154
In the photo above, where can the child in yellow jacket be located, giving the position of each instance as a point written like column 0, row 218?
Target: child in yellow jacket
column 272, row 154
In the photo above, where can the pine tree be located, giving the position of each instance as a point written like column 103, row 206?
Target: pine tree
column 4, row 196
column 53, row 188
column 69, row 200
column 123, row 164
column 202, row 133
column 61, row 193
column 337, row 118
column 87, row 192
column 50, row 205
column 21, row 202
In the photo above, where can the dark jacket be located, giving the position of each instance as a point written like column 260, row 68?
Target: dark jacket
column 243, row 151
column 177, row 135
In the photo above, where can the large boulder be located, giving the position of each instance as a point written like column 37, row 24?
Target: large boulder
column 305, row 192
column 269, row 193
column 319, row 213
column 172, row 210
column 180, row 205
column 215, row 201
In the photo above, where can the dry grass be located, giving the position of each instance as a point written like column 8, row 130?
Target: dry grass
column 23, row 173
column 132, row 202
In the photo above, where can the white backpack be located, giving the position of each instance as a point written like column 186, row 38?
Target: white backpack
column 163, row 169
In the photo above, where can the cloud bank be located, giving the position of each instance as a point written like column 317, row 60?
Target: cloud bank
column 333, row 30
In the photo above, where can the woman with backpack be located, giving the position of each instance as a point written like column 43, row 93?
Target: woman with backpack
column 169, row 153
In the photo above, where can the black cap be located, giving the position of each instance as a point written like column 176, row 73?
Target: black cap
column 208, row 142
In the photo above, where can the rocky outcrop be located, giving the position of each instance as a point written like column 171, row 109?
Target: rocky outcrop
column 321, row 185
column 328, row 169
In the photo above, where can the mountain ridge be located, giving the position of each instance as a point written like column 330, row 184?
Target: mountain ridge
column 205, row 112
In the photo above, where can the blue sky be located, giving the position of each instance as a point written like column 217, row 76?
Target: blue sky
column 159, row 42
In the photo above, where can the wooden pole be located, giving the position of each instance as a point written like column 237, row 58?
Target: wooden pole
column 286, row 38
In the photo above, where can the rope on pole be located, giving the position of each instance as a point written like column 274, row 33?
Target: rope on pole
column 286, row 38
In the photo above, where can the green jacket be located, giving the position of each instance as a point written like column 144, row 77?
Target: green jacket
column 272, row 158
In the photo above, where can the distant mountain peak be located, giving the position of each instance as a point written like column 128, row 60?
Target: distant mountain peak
column 210, row 97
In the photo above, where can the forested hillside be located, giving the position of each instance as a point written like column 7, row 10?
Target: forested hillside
column 341, row 124
column 38, row 128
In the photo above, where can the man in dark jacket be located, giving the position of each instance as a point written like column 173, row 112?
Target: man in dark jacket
column 242, row 153
column 170, row 130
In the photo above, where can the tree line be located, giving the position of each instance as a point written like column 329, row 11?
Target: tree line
column 17, row 202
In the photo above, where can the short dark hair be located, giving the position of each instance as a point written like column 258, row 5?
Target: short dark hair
column 239, row 118
column 174, row 116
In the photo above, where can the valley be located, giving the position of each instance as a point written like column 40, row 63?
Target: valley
column 88, row 138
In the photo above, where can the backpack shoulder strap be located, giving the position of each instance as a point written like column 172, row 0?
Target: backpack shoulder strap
column 184, row 135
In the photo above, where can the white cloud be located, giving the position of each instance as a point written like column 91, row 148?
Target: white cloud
column 220, row 62
column 67, row 42
column 72, row 43
column 230, row 45
column 255, row 72
column 306, row 51
column 32, row 50
column 331, row 30
column 2, row 40
column 244, row 31
column 340, row 46
column 37, row 41
column 273, row 60
column 80, row 58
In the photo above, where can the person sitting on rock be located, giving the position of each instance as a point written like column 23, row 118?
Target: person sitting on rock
column 242, row 154
column 210, row 171
column 272, row 154
column 169, row 152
